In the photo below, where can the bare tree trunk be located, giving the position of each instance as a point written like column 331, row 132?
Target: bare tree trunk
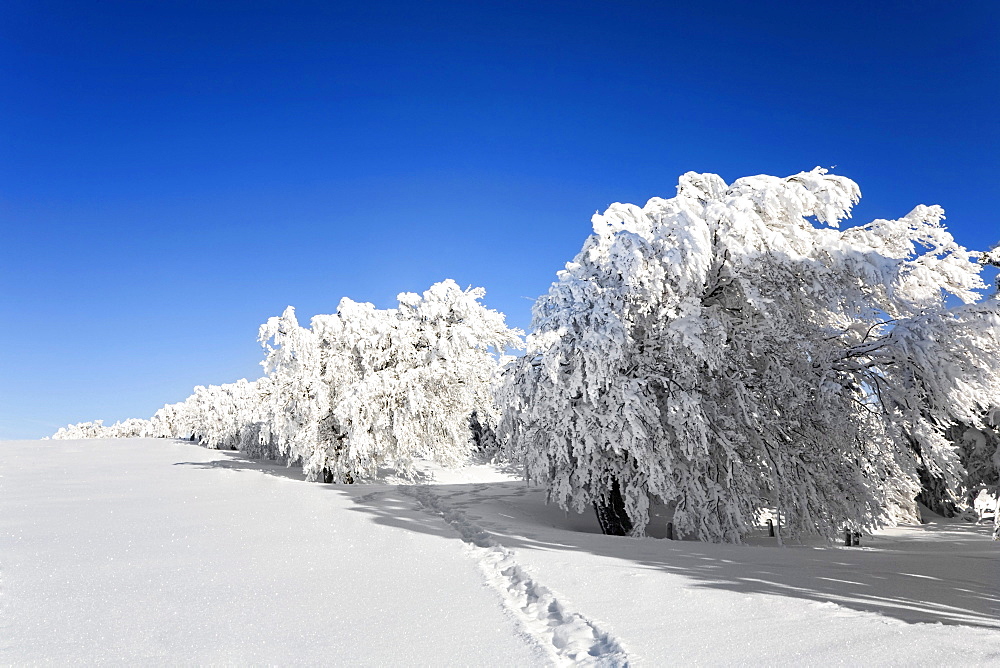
column 611, row 514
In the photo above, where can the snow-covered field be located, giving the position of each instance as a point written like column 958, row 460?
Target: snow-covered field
column 142, row 551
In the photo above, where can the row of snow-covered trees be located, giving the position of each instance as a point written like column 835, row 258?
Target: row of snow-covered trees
column 357, row 390
column 130, row 428
column 723, row 351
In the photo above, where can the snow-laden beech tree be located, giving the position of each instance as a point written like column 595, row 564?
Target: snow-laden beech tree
column 730, row 349
column 979, row 449
column 228, row 415
column 366, row 387
column 223, row 417
column 992, row 257
column 297, row 398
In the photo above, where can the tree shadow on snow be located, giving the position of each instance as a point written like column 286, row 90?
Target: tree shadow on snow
column 934, row 573
column 942, row 572
column 235, row 461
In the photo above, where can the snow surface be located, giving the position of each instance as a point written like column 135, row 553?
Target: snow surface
column 143, row 551
column 155, row 551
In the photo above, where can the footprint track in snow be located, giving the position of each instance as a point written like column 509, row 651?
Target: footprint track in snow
column 567, row 637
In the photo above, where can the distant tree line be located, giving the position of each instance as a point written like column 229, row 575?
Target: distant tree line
column 358, row 390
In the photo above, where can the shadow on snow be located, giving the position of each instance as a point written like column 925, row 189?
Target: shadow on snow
column 934, row 573
column 941, row 572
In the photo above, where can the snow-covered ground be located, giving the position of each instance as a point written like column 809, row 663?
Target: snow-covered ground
column 144, row 551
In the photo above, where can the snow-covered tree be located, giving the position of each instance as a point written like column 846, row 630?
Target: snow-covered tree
column 227, row 413
column 992, row 257
column 365, row 387
column 297, row 397
column 224, row 417
column 730, row 349
column 94, row 429
column 404, row 382
column 979, row 450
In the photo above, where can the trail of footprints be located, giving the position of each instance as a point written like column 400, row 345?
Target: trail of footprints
column 568, row 637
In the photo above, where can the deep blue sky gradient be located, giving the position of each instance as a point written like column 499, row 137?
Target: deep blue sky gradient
column 173, row 173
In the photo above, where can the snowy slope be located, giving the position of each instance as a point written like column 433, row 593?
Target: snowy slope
column 154, row 551
column 145, row 551
column 920, row 595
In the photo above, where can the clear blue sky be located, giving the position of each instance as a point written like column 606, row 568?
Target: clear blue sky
column 173, row 173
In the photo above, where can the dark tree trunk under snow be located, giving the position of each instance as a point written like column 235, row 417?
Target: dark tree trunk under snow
column 611, row 513
column 935, row 494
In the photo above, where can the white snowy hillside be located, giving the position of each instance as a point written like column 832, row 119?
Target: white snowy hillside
column 156, row 551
